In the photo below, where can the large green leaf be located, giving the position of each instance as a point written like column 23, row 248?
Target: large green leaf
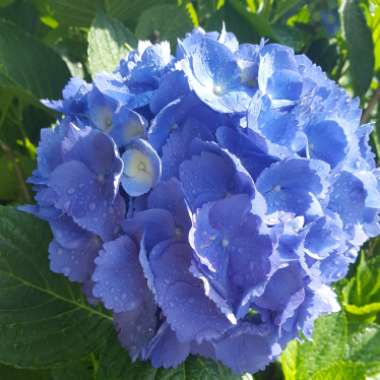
column 163, row 22
column 359, row 43
column 338, row 350
column 10, row 373
column 28, row 66
column 108, row 41
column 44, row 320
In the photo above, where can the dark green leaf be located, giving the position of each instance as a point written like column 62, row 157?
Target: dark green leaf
column 290, row 36
column 83, row 370
column 258, row 23
column 73, row 13
column 10, row 373
column 108, row 41
column 359, row 43
column 130, row 11
column 10, row 189
column 28, row 66
column 163, row 22
column 44, row 320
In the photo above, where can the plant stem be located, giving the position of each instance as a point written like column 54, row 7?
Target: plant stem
column 371, row 105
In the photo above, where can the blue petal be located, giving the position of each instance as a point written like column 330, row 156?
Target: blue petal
column 249, row 147
column 169, row 196
column 165, row 350
column 223, row 238
column 137, row 327
column 83, row 197
column 75, row 263
column 173, row 86
column 213, row 174
column 353, row 197
column 294, row 185
column 101, row 109
column 278, row 74
column 181, row 297
column 215, row 77
column 248, row 348
column 156, row 224
column 118, row 277
column 126, row 126
column 327, row 142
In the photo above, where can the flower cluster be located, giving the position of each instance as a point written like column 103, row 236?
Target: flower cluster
column 208, row 197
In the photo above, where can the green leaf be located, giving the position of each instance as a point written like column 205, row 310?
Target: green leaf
column 83, row 370
column 153, row 23
column 72, row 13
column 290, row 36
column 28, row 66
column 283, row 7
column 375, row 27
column 205, row 369
column 130, row 11
column 44, row 319
column 364, row 346
column 359, row 43
column 108, row 41
column 5, row 3
column 10, row 373
column 361, row 294
column 114, row 364
column 338, row 350
column 343, row 370
column 257, row 22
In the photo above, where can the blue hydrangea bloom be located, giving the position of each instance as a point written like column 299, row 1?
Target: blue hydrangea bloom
column 208, row 198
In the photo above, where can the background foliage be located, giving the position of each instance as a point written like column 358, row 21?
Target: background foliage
column 47, row 330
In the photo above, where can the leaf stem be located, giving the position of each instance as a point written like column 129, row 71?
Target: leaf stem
column 371, row 105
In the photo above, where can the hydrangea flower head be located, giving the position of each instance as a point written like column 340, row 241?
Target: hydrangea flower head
column 208, row 197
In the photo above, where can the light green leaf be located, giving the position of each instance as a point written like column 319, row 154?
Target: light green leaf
column 44, row 320
column 163, row 22
column 108, row 41
column 359, row 43
column 343, row 370
column 364, row 346
column 28, row 66
column 361, row 294
column 375, row 27
column 338, row 350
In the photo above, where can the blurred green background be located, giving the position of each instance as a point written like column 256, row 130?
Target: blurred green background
column 44, row 42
